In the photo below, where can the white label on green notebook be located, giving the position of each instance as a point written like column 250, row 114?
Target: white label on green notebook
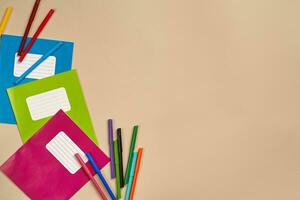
column 45, row 69
column 64, row 150
column 48, row 103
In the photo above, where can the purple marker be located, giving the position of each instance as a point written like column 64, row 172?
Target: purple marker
column 111, row 148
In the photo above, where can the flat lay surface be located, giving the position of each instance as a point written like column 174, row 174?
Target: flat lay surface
column 213, row 85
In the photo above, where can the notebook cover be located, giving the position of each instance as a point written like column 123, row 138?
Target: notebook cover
column 32, row 101
column 39, row 174
column 8, row 48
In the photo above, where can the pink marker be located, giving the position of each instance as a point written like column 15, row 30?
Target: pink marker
column 89, row 174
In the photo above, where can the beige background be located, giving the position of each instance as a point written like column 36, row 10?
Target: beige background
column 214, row 85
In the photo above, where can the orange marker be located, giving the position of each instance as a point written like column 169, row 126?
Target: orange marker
column 136, row 172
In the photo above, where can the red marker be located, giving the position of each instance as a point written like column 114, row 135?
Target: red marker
column 31, row 18
column 37, row 33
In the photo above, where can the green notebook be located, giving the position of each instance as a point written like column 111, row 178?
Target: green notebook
column 36, row 102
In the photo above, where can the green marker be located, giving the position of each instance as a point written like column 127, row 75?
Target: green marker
column 117, row 168
column 132, row 145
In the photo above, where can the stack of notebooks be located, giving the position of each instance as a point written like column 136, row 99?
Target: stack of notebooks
column 41, row 93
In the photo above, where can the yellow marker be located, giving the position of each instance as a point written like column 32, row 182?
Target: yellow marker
column 5, row 19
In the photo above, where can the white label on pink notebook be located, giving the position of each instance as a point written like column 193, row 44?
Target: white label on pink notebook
column 45, row 69
column 64, row 150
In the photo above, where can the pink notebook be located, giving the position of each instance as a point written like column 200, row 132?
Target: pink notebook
column 45, row 166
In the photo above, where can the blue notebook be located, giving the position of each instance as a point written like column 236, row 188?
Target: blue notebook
column 11, row 69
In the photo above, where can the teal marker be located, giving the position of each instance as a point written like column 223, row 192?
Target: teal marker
column 131, row 175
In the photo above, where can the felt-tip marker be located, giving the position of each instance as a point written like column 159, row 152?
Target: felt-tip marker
column 120, row 152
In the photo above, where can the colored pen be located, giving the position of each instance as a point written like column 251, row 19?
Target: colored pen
column 120, row 151
column 118, row 187
column 131, row 175
column 89, row 174
column 97, row 170
column 5, row 19
column 111, row 148
column 28, row 27
column 136, row 172
column 38, row 62
column 36, row 34
column 132, row 146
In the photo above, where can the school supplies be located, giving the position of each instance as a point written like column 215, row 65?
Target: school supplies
column 36, row 34
column 111, row 148
column 89, row 174
column 10, row 69
column 120, row 152
column 36, row 102
column 45, row 166
column 136, row 172
column 31, row 18
column 5, row 19
column 40, row 92
column 131, row 175
column 118, row 186
column 132, row 146
column 37, row 63
column 97, row 170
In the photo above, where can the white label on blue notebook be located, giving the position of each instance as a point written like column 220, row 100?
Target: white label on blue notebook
column 64, row 150
column 45, row 69
column 48, row 103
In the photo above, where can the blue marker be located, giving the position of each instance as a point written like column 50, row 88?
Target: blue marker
column 97, row 170
column 134, row 158
column 37, row 63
